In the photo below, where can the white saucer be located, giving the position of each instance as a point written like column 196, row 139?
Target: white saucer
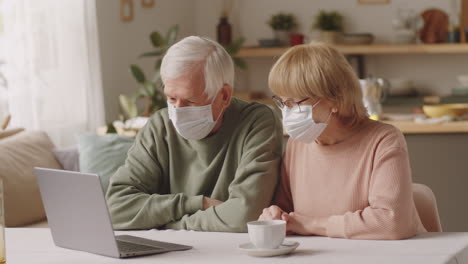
column 285, row 248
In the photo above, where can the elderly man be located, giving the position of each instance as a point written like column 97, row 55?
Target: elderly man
column 208, row 162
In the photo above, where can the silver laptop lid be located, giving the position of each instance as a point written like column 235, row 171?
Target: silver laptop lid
column 77, row 211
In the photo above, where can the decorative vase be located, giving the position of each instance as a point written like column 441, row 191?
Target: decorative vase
column 296, row 39
column 330, row 37
column 282, row 36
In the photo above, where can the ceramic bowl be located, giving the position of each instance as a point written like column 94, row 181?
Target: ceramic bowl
column 440, row 110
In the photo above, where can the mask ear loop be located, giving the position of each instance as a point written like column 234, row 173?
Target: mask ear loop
column 219, row 115
column 329, row 116
column 317, row 103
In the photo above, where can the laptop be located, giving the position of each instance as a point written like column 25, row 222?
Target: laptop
column 79, row 219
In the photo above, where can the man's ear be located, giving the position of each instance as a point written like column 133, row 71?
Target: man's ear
column 226, row 94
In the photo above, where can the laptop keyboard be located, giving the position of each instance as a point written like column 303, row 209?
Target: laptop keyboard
column 132, row 247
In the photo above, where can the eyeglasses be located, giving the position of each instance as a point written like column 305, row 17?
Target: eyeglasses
column 288, row 103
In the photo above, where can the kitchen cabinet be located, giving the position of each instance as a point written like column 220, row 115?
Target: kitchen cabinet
column 439, row 160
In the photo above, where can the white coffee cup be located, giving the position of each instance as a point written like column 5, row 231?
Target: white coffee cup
column 267, row 234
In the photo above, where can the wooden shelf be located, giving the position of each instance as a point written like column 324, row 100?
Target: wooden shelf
column 256, row 52
column 409, row 127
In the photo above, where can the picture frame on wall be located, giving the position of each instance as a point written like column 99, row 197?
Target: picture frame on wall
column 373, row 2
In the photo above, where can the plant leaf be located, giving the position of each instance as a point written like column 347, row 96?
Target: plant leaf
column 157, row 40
column 149, row 87
column 128, row 106
column 157, row 65
column 234, row 47
column 237, row 44
column 152, row 53
column 137, row 73
column 240, row 63
column 111, row 129
column 171, row 35
column 141, row 93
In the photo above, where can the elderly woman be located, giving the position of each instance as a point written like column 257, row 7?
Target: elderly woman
column 343, row 174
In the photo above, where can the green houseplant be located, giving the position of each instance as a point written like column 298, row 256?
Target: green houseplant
column 282, row 25
column 150, row 89
column 330, row 25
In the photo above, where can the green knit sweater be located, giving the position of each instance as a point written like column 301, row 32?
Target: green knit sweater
column 165, row 176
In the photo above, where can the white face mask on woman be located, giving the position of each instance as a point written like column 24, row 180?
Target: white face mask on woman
column 300, row 125
column 192, row 122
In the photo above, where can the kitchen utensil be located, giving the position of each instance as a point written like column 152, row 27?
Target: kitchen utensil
column 374, row 92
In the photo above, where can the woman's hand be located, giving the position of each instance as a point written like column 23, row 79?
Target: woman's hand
column 273, row 213
column 306, row 225
column 209, row 202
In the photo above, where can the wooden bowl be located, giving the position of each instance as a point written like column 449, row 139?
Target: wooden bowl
column 440, row 110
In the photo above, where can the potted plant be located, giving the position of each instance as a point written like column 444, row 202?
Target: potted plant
column 151, row 89
column 282, row 25
column 330, row 25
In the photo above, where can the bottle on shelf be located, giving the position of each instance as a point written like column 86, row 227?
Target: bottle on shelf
column 224, row 32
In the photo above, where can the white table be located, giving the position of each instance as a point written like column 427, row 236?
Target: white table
column 35, row 245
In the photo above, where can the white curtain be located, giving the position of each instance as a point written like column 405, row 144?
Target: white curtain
column 53, row 67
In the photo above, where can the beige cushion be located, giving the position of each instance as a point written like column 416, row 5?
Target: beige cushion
column 19, row 154
column 9, row 132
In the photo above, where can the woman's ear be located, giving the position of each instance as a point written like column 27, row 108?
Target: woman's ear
column 334, row 110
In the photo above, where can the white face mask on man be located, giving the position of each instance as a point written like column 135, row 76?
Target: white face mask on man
column 300, row 125
column 192, row 122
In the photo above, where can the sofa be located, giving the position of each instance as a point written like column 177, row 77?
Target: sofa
column 21, row 151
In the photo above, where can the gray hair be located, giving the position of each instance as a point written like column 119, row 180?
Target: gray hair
column 192, row 52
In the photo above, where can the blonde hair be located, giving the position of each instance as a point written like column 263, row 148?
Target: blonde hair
column 319, row 70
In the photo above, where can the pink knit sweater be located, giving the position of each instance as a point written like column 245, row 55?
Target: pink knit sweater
column 362, row 184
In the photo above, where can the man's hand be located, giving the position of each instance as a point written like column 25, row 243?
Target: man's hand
column 273, row 213
column 208, row 202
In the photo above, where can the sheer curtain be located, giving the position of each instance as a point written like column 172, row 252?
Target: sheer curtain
column 53, row 67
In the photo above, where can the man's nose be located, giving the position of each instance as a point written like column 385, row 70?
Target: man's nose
column 180, row 103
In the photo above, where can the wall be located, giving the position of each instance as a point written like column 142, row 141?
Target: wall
column 121, row 43
column 430, row 73
column 3, row 92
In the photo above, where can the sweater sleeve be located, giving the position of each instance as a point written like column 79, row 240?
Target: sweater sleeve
column 283, row 197
column 136, row 196
column 253, row 185
column 391, row 213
